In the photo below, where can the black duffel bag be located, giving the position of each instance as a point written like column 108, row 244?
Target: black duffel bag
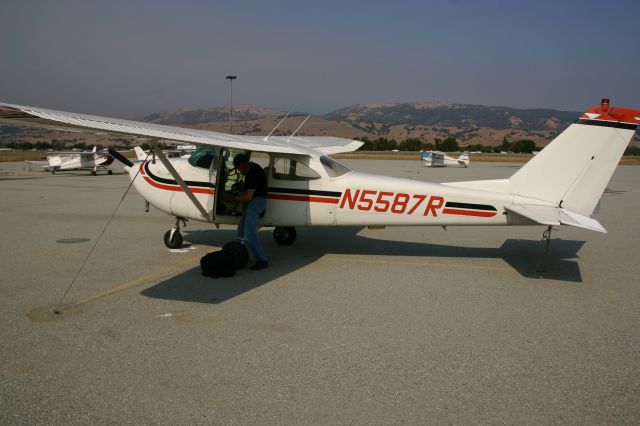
column 218, row 264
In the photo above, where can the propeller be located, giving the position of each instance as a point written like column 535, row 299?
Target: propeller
column 121, row 158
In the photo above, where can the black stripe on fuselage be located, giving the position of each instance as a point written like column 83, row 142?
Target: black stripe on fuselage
column 454, row 205
column 603, row 123
column 173, row 182
column 305, row 192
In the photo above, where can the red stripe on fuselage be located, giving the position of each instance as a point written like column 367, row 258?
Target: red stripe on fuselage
column 177, row 188
column 194, row 189
column 306, row 198
column 462, row 212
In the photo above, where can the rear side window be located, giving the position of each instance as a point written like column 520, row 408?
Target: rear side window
column 288, row 169
column 333, row 168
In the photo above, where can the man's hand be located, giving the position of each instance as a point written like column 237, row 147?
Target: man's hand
column 247, row 196
column 227, row 196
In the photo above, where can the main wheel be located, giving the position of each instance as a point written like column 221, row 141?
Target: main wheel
column 93, row 173
column 284, row 235
column 109, row 172
column 239, row 251
column 173, row 242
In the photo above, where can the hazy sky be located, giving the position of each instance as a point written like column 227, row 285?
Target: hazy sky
column 131, row 58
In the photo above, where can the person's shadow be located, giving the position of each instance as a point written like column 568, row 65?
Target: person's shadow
column 525, row 256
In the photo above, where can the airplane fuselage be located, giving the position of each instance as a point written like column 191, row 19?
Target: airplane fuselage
column 352, row 199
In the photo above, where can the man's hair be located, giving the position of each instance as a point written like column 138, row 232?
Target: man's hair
column 240, row 159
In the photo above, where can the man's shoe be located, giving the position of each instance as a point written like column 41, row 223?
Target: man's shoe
column 259, row 265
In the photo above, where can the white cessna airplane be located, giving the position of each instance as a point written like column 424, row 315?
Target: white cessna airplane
column 440, row 159
column 559, row 186
column 77, row 160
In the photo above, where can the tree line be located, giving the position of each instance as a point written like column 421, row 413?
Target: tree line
column 449, row 144
column 66, row 144
column 380, row 144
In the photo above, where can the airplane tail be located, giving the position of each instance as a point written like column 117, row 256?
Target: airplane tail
column 574, row 169
column 463, row 159
column 140, row 154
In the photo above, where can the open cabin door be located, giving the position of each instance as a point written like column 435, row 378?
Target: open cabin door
column 229, row 181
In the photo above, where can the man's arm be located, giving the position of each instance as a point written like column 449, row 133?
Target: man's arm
column 246, row 196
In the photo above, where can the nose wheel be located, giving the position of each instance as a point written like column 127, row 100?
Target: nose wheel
column 285, row 235
column 173, row 237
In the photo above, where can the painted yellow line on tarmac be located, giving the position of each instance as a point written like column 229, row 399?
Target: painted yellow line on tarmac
column 144, row 279
column 194, row 261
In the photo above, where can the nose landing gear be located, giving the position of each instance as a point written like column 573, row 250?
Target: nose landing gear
column 173, row 237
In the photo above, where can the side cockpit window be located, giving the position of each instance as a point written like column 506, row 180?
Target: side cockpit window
column 288, row 169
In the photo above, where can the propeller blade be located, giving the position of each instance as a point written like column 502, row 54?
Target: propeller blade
column 121, row 158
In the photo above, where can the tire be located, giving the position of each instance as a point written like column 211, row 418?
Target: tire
column 175, row 242
column 238, row 251
column 109, row 172
column 285, row 235
column 93, row 173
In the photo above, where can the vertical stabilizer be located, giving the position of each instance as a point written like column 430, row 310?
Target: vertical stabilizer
column 575, row 168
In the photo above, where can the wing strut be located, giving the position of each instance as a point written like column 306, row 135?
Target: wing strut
column 299, row 127
column 174, row 173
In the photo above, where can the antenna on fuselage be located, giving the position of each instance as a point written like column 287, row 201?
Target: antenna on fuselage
column 299, row 127
column 266, row 138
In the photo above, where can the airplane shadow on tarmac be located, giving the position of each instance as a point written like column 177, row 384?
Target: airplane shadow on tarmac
column 525, row 256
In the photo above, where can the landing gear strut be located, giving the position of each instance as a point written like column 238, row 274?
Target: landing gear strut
column 284, row 235
column 173, row 237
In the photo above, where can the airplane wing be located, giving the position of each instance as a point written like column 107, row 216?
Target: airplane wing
column 17, row 115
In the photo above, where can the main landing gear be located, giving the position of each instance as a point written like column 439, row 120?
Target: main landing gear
column 173, row 237
column 285, row 235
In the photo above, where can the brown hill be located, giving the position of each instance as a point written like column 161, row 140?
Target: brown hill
column 470, row 124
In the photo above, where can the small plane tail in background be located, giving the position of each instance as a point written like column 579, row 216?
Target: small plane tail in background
column 463, row 159
column 575, row 168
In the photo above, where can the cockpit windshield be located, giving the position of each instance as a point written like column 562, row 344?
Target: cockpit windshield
column 202, row 157
column 332, row 167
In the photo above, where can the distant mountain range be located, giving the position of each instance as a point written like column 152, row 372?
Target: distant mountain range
column 470, row 124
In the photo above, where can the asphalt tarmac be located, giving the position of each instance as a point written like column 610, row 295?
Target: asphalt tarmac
column 347, row 326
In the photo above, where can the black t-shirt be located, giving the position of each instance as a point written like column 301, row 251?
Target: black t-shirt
column 256, row 179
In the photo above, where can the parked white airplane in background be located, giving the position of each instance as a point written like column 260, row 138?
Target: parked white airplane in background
column 561, row 185
column 440, row 159
column 186, row 150
column 179, row 152
column 76, row 160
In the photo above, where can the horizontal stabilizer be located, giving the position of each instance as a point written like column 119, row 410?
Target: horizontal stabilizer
column 547, row 215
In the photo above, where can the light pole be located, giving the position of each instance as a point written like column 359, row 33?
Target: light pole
column 231, row 78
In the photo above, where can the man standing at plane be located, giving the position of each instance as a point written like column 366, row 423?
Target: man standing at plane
column 255, row 195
